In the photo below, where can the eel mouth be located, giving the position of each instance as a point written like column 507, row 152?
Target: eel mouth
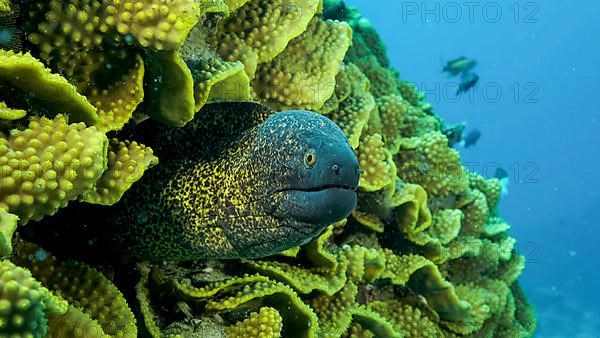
column 325, row 187
column 323, row 204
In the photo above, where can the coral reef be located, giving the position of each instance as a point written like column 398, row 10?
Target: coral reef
column 424, row 254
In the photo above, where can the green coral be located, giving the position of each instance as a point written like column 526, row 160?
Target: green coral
column 74, row 323
column 376, row 162
column 216, row 80
column 392, row 109
column 10, row 114
column 24, row 303
column 8, row 225
column 47, row 165
column 351, row 103
column 50, row 90
column 117, row 103
column 265, row 27
column 266, row 323
column 407, row 320
column 127, row 162
column 158, row 24
column 291, row 81
column 170, row 87
column 4, row 5
column 86, row 289
column 428, row 161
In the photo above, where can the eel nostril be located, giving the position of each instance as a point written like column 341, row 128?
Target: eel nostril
column 359, row 171
column 336, row 169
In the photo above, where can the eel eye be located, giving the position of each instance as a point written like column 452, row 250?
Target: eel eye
column 310, row 158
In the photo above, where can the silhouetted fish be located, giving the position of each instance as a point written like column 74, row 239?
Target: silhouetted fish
column 454, row 133
column 500, row 173
column 471, row 138
column 462, row 65
column 467, row 82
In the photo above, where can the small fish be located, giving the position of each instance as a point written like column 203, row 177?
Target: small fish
column 10, row 35
column 467, row 82
column 462, row 65
column 454, row 133
column 471, row 138
column 502, row 175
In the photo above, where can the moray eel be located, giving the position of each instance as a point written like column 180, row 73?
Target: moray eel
column 239, row 181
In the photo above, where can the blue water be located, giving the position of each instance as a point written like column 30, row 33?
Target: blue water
column 535, row 106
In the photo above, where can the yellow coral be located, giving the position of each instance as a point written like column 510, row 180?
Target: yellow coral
column 417, row 122
column 84, row 288
column 327, row 275
column 410, row 93
column 10, row 114
column 424, row 277
column 363, row 264
column 335, row 312
column 159, row 24
column 233, row 49
column 407, row 321
column 491, row 188
column 74, row 324
column 265, row 26
column 4, row 5
column 475, row 208
column 352, row 115
column 127, row 162
column 294, row 312
column 446, row 225
column 244, row 292
column 317, row 252
column 145, row 308
column 429, row 162
column 24, row 303
column 80, row 29
column 8, row 225
column 80, row 24
column 376, row 162
column 116, row 104
column 354, row 103
column 411, row 212
column 82, row 47
column 52, row 91
column 495, row 226
column 391, row 111
column 383, row 80
column 234, row 4
column 357, row 331
column 185, row 288
column 266, row 323
column 304, row 280
column 293, row 81
column 101, row 63
column 47, row 165
column 372, row 222
column 219, row 81
column 344, row 86
column 170, row 89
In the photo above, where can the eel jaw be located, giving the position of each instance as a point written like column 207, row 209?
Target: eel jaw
column 322, row 205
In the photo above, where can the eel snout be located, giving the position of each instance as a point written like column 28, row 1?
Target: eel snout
column 330, row 194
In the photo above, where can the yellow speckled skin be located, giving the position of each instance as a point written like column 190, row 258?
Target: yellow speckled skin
column 234, row 183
